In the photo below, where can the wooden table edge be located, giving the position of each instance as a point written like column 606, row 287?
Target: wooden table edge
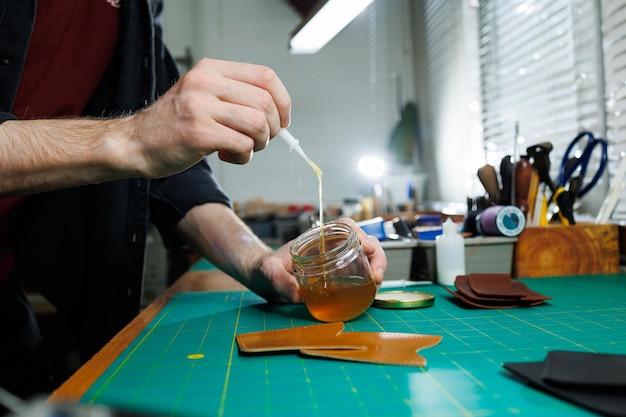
column 75, row 387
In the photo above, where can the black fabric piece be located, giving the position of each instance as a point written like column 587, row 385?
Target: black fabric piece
column 172, row 197
column 596, row 395
column 585, row 368
column 24, row 367
column 16, row 25
column 6, row 116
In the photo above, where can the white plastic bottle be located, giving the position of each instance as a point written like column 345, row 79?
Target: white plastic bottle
column 450, row 251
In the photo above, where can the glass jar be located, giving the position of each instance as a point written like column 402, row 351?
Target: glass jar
column 333, row 272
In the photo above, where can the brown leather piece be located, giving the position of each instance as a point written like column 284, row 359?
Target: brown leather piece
column 320, row 336
column 328, row 340
column 492, row 285
column 382, row 348
column 486, row 304
column 462, row 285
column 530, row 294
column 495, row 291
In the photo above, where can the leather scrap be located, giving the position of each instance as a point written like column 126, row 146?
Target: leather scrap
column 320, row 336
column 329, row 341
column 495, row 291
column 493, row 285
column 382, row 348
column 485, row 304
column 462, row 285
column 530, row 294
column 602, row 370
column 595, row 381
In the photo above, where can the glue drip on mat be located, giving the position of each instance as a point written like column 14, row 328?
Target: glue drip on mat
column 294, row 144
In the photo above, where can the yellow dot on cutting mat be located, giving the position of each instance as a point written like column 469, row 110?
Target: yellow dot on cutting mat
column 195, row 356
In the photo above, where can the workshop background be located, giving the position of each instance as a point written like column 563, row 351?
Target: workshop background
column 473, row 69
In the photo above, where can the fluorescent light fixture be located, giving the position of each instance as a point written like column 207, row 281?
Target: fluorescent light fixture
column 327, row 19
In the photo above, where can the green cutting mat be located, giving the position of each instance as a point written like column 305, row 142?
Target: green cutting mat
column 159, row 373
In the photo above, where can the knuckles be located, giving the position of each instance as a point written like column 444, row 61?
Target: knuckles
column 266, row 75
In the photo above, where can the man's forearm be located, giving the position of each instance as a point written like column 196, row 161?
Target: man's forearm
column 218, row 106
column 216, row 233
column 48, row 154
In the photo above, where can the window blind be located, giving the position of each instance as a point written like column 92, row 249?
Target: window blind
column 527, row 60
column 453, row 105
column 614, row 47
column 556, row 67
column 542, row 67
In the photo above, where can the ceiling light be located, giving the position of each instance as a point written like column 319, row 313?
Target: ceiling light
column 325, row 20
column 371, row 166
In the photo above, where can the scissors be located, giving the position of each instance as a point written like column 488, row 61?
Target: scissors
column 571, row 164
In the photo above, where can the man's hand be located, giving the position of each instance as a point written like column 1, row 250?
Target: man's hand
column 373, row 250
column 216, row 233
column 218, row 106
column 272, row 277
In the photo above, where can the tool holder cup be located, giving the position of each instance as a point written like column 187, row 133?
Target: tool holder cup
column 334, row 275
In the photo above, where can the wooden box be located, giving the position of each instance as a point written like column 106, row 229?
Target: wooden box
column 556, row 250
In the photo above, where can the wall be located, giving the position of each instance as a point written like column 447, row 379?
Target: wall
column 345, row 97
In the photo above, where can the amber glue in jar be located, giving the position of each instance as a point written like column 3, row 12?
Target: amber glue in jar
column 333, row 272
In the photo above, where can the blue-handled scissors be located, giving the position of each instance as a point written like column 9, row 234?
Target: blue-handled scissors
column 571, row 163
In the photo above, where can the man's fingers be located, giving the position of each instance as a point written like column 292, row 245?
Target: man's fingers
column 235, row 158
column 262, row 77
